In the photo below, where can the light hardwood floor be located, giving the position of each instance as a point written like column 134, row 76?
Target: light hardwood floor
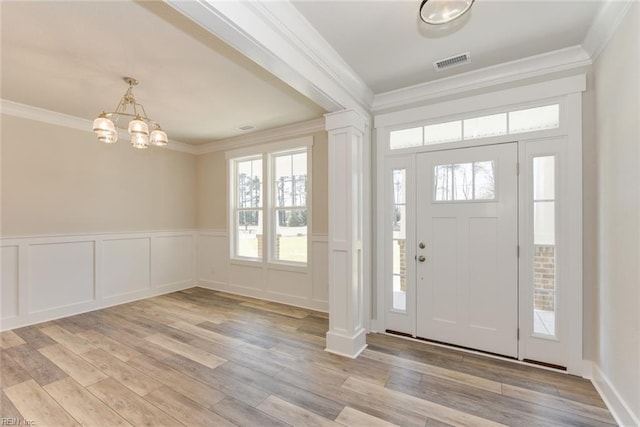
column 200, row 357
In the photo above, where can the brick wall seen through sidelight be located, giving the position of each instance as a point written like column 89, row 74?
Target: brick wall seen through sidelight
column 402, row 246
column 544, row 281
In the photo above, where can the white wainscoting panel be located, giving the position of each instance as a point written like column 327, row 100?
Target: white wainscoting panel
column 125, row 266
column 48, row 277
column 60, row 275
column 172, row 259
column 289, row 283
column 9, row 288
column 320, row 271
column 303, row 287
column 213, row 257
column 245, row 276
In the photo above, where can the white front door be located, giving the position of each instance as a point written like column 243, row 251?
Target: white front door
column 466, row 248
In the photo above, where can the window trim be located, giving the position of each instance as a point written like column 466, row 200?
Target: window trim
column 267, row 152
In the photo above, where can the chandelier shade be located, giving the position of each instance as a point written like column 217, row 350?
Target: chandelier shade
column 158, row 138
column 105, row 125
column 108, row 137
column 138, row 126
column 438, row 12
column 139, row 140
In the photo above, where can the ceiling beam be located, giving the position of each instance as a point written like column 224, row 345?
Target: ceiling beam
column 277, row 37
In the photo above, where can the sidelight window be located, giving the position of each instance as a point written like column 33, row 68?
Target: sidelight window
column 544, row 239
column 399, row 224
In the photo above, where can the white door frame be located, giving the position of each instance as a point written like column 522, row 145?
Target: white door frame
column 568, row 93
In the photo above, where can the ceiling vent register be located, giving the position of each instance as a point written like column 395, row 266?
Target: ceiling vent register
column 452, row 61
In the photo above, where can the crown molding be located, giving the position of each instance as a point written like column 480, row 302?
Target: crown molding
column 265, row 136
column 29, row 112
column 533, row 66
column 277, row 37
column 24, row 111
column 604, row 26
column 37, row 114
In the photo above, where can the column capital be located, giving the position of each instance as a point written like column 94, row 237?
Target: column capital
column 343, row 119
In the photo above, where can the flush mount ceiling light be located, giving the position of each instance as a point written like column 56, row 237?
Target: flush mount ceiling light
column 438, row 12
column 105, row 125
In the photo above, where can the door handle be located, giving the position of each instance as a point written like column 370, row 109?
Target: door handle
column 422, row 258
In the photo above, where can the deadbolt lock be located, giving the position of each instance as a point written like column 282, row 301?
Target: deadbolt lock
column 421, row 245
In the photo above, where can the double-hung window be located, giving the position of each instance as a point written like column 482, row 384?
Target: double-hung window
column 270, row 194
column 289, row 206
column 248, row 212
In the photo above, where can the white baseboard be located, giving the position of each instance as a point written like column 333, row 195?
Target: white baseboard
column 618, row 407
column 310, row 304
column 58, row 313
column 346, row 345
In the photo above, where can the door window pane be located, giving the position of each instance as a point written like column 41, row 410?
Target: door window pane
column 534, row 119
column 485, row 126
column 399, row 242
column 544, row 258
column 465, row 181
column 443, row 182
column 484, row 185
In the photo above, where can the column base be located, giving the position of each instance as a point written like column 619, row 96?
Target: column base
column 346, row 345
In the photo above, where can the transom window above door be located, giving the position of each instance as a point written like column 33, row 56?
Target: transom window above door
column 476, row 127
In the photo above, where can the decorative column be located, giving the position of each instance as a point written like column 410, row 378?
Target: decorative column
column 346, row 334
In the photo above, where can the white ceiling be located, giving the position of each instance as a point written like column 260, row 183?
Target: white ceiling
column 70, row 57
column 390, row 48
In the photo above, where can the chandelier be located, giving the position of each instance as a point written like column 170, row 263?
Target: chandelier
column 105, row 125
column 437, row 12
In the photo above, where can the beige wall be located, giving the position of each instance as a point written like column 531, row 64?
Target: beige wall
column 617, row 113
column 212, row 184
column 211, row 191
column 57, row 180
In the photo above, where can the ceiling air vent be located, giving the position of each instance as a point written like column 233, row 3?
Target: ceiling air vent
column 246, row 127
column 452, row 61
